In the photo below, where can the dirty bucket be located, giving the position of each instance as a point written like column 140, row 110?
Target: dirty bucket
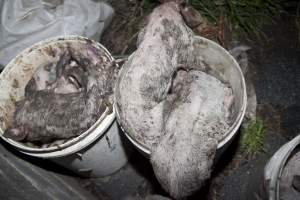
column 229, row 71
column 274, row 168
column 98, row 151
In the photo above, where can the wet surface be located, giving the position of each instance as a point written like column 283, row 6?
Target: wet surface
column 276, row 74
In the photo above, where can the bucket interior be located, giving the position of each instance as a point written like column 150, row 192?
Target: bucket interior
column 20, row 70
column 225, row 68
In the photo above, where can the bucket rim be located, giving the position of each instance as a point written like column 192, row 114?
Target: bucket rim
column 85, row 138
column 233, row 128
column 274, row 167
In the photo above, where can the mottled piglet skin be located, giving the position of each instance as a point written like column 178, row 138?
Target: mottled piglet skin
column 63, row 99
column 46, row 116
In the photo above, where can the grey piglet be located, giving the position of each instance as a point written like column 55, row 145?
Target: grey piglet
column 61, row 109
column 169, row 100
column 45, row 116
column 182, row 162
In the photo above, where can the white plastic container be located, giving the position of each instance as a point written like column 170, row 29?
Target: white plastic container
column 274, row 167
column 220, row 60
column 98, row 151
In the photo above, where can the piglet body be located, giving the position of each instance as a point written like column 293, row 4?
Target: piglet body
column 62, row 100
column 46, row 116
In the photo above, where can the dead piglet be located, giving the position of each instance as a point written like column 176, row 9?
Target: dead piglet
column 182, row 162
column 44, row 117
column 71, row 77
column 65, row 108
column 46, row 76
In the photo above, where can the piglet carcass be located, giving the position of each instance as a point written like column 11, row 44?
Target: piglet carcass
column 167, row 101
column 62, row 100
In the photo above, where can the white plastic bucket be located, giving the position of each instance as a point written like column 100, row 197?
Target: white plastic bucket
column 221, row 60
column 274, row 167
column 85, row 154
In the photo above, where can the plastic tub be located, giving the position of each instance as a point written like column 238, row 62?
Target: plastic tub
column 221, row 60
column 88, row 154
column 274, row 167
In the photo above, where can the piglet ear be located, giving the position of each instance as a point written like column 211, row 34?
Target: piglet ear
column 17, row 134
column 62, row 62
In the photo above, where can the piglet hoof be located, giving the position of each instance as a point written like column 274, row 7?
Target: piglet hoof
column 16, row 134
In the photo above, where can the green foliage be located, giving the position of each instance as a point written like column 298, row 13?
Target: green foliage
column 246, row 16
column 252, row 140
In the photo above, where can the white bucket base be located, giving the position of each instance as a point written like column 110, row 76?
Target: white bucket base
column 102, row 158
